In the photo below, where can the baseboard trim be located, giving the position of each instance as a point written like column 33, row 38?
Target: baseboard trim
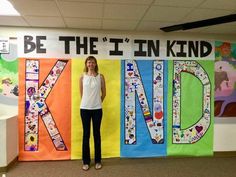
column 11, row 164
column 225, row 154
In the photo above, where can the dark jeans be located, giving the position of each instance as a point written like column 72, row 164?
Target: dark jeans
column 96, row 116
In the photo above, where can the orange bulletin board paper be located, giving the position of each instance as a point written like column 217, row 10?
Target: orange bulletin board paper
column 58, row 102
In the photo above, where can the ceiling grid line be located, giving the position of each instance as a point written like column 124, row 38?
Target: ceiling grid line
column 150, row 5
column 59, row 9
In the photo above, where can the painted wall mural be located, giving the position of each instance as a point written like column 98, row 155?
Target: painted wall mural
column 9, row 77
column 225, row 79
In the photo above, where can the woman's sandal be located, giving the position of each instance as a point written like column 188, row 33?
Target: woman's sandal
column 85, row 167
column 98, row 166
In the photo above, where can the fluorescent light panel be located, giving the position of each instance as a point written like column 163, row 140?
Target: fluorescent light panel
column 7, row 9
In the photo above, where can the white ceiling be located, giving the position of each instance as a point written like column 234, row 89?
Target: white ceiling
column 129, row 15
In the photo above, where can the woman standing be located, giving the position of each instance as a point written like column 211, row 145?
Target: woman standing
column 93, row 92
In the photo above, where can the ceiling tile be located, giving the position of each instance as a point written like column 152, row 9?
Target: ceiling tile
column 227, row 28
column 219, row 4
column 119, row 25
column 202, row 14
column 121, row 14
column 83, row 0
column 12, row 21
column 81, row 9
column 178, row 3
column 45, row 21
column 37, row 8
column 84, row 23
column 129, row 1
column 151, row 26
column 124, row 11
column 194, row 30
column 166, row 14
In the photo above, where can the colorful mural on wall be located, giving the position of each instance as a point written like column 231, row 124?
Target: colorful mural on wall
column 9, row 77
column 44, row 109
column 190, row 107
column 139, row 89
column 225, row 79
column 143, row 116
column 110, row 128
column 154, row 106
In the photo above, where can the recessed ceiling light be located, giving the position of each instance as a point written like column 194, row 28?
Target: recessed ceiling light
column 7, row 9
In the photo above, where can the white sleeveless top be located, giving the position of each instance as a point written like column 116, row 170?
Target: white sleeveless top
column 91, row 98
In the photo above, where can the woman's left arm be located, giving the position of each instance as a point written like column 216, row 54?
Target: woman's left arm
column 103, row 87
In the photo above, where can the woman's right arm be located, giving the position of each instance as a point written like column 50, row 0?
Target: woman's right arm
column 81, row 85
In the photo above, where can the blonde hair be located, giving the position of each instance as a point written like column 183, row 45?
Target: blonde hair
column 88, row 59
